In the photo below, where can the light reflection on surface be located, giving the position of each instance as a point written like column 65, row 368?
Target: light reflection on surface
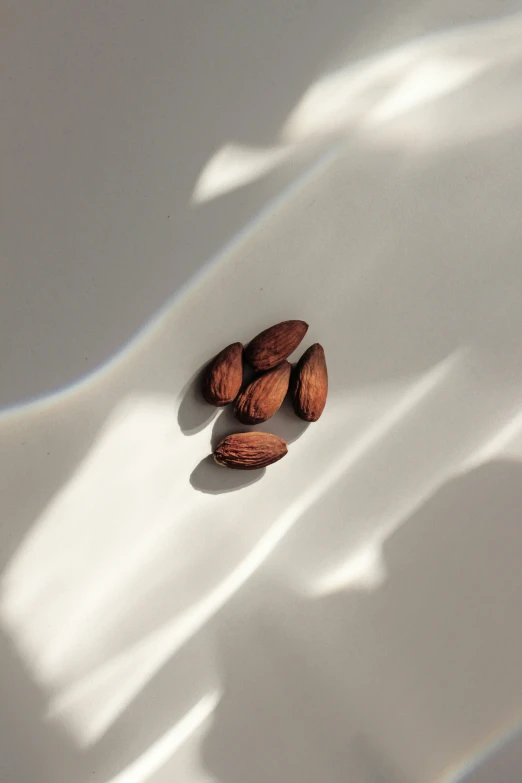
column 373, row 94
column 506, row 441
column 234, row 167
column 166, row 746
column 365, row 566
column 200, row 280
column 385, row 98
column 135, row 533
column 127, row 564
column 364, row 570
column 495, row 759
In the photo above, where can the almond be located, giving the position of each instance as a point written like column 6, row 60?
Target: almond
column 224, row 375
column 264, row 396
column 250, row 450
column 310, row 384
column 273, row 345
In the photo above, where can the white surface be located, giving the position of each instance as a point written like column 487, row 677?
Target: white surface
column 353, row 614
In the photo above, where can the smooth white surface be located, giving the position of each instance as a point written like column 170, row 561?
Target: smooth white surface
column 177, row 176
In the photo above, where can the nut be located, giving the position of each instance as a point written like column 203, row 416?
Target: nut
column 250, row 450
column 310, row 384
column 264, row 396
column 224, row 375
column 273, row 345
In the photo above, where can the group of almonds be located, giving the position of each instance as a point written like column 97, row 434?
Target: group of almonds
column 263, row 396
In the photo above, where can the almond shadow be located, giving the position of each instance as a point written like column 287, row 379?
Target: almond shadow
column 213, row 479
column 284, row 423
column 194, row 413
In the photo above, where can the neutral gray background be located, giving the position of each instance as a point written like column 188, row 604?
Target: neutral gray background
column 354, row 612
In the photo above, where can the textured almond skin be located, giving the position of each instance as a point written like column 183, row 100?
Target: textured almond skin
column 224, row 375
column 250, row 450
column 270, row 347
column 264, row 396
column 310, row 384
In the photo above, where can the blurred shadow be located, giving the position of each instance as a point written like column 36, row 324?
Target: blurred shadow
column 183, row 679
column 322, row 688
column 30, row 748
column 275, row 721
column 214, row 479
column 255, row 93
column 288, row 426
column 225, row 424
column 284, row 423
column 380, row 95
column 194, row 412
column 436, row 655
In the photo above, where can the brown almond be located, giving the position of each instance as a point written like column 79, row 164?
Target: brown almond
column 310, row 384
column 224, row 375
column 273, row 345
column 250, row 450
column 264, row 396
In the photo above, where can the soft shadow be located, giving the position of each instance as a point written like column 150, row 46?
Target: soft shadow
column 214, row 479
column 251, row 98
column 194, row 412
column 278, row 717
column 284, row 423
column 30, row 747
column 322, row 688
column 225, row 424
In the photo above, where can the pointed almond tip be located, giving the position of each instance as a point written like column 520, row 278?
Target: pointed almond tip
column 274, row 344
column 222, row 378
column 310, row 384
